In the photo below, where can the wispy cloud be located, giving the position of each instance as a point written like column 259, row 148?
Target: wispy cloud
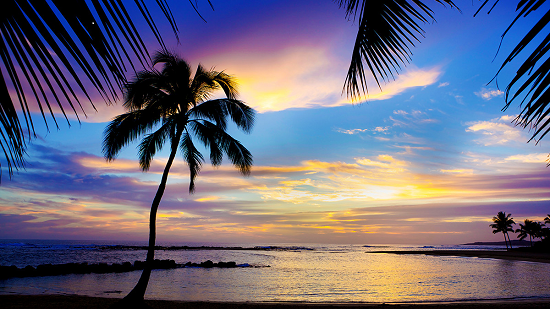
column 529, row 158
column 412, row 78
column 356, row 131
column 304, row 77
column 498, row 131
column 352, row 131
column 488, row 94
column 412, row 118
column 78, row 194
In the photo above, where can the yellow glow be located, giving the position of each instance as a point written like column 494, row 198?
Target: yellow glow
column 207, row 199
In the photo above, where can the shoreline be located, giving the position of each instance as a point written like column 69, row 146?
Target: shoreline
column 76, row 301
column 539, row 257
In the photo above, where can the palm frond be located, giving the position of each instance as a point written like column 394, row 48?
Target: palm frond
column 228, row 83
column 126, row 128
column 239, row 156
column 202, row 85
column 387, row 31
column 152, row 143
column 47, row 46
column 531, row 84
column 144, row 89
column 217, row 111
column 208, row 134
column 193, row 158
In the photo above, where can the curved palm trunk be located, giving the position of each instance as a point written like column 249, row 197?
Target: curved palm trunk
column 505, row 241
column 138, row 292
column 509, row 240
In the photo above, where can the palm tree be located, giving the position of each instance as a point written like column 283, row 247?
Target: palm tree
column 174, row 107
column 531, row 228
column 53, row 53
column 503, row 224
column 389, row 28
column 546, row 230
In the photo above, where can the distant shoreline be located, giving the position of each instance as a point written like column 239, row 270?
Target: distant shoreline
column 541, row 257
column 84, row 302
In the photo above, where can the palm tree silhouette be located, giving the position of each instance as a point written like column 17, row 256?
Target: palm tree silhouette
column 174, row 106
column 503, row 224
column 531, row 228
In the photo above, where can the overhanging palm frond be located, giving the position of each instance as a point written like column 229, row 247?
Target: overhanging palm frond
column 51, row 51
column 531, row 84
column 387, row 31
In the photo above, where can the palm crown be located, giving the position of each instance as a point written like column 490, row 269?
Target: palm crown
column 503, row 224
column 175, row 105
column 529, row 228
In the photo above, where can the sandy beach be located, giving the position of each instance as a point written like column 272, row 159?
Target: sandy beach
column 541, row 257
column 70, row 301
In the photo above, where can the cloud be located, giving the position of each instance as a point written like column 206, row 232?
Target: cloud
column 412, row 78
column 445, row 84
column 303, row 77
column 352, row 131
column 497, row 131
column 529, row 158
column 74, row 193
column 357, row 131
column 412, row 118
column 458, row 171
column 488, row 94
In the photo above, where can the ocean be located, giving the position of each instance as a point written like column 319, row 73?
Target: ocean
column 298, row 273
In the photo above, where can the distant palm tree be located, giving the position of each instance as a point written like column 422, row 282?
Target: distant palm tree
column 174, row 106
column 503, row 224
column 388, row 29
column 546, row 230
column 54, row 52
column 531, row 228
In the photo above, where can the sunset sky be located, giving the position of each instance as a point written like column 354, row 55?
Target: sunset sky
column 430, row 159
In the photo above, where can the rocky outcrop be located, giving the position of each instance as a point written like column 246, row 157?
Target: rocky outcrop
column 102, row 268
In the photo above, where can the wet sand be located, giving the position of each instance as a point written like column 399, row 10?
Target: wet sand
column 541, row 257
column 69, row 302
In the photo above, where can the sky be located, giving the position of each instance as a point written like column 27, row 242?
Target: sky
column 429, row 159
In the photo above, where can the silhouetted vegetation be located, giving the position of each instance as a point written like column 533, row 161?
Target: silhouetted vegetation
column 172, row 106
column 530, row 228
column 388, row 29
column 503, row 224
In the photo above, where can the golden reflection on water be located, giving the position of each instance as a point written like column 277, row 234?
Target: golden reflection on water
column 314, row 276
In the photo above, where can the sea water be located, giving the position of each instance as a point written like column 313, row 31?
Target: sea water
column 302, row 273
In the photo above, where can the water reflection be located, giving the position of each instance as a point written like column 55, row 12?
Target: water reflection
column 332, row 275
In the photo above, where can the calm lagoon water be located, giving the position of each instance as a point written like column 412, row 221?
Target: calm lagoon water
column 311, row 273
